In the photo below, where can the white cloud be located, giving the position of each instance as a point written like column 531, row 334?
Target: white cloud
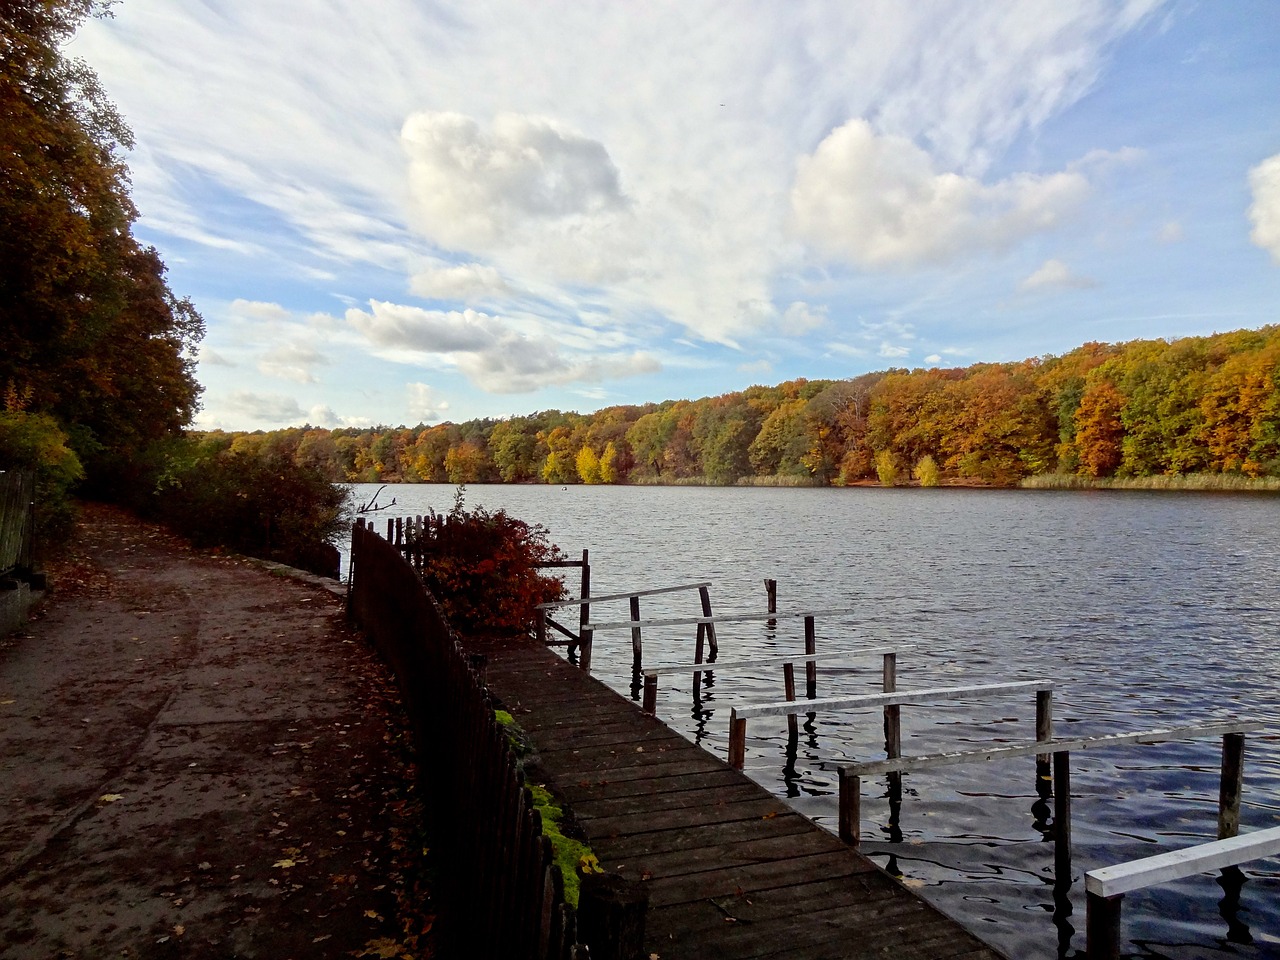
column 274, row 409
column 475, row 189
column 1264, row 212
column 291, row 361
column 933, row 359
column 803, row 318
column 260, row 310
column 1170, row 232
column 893, row 350
column 877, row 201
column 489, row 350
column 761, row 367
column 467, row 282
column 423, row 404
column 1055, row 275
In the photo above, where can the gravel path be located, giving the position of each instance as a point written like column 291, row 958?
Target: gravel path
column 198, row 758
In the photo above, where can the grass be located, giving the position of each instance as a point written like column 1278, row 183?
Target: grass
column 1186, row 481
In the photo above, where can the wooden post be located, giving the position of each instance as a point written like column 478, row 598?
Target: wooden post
column 637, row 643
column 611, row 912
column 712, row 647
column 737, row 741
column 810, row 667
column 651, row 694
column 771, row 590
column 1062, row 815
column 1044, row 732
column 892, row 714
column 1102, row 926
column 1231, row 786
column 584, row 617
column 789, row 690
column 850, row 809
column 542, row 627
column 391, row 530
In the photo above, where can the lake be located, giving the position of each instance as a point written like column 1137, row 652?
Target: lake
column 1148, row 609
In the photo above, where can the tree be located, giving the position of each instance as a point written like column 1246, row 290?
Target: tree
column 91, row 332
column 1099, row 429
column 588, row 465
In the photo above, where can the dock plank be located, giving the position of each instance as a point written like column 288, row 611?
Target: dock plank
column 732, row 872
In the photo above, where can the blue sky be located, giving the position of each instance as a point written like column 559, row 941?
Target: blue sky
column 421, row 211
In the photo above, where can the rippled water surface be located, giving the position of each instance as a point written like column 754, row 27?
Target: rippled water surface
column 1148, row 609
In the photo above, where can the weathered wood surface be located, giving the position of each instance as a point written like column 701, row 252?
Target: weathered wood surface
column 710, row 620
column 731, row 871
column 1187, row 862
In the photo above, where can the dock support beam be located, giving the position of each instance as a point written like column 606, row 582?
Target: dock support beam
column 811, row 667
column 1062, row 815
column 1102, row 926
column 850, row 808
column 737, row 740
column 1231, row 786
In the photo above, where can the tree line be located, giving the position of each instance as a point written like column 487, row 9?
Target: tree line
column 1137, row 409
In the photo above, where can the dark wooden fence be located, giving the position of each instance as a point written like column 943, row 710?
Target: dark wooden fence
column 503, row 896
column 17, row 521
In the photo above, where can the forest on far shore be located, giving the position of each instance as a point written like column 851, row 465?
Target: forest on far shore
column 1145, row 408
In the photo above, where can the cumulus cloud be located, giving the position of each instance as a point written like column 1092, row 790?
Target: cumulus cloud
column 933, row 359
column 1055, row 275
column 802, row 317
column 423, row 404
column 467, row 282
column 259, row 310
column 877, row 202
column 291, row 361
column 275, row 409
column 490, row 352
column 893, row 351
column 1264, row 212
column 474, row 187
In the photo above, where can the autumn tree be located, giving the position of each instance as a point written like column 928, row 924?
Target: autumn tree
column 91, row 332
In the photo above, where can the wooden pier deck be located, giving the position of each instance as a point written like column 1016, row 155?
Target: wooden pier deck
column 731, row 870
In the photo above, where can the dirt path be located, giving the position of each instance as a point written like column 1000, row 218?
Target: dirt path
column 199, row 759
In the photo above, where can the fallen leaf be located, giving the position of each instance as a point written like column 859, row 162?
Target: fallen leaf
column 382, row 947
column 373, row 914
column 110, row 797
column 285, row 863
column 179, row 930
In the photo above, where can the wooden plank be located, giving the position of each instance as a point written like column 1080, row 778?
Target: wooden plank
column 646, row 804
column 721, row 618
column 926, row 695
column 669, row 841
column 753, row 878
column 556, row 604
column 782, row 658
column 710, row 912
column 584, row 790
column 1176, row 864
column 932, row 761
column 684, row 817
column 717, row 856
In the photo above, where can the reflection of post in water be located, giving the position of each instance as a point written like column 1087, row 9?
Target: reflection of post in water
column 1040, row 808
column 1232, row 880
column 790, row 778
column 1062, row 915
column 894, row 792
column 700, row 718
column 637, row 682
column 1055, row 781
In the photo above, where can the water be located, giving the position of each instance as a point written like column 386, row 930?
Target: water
column 1149, row 610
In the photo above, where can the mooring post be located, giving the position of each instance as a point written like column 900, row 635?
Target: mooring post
column 584, row 617
column 637, row 643
column 1062, row 816
column 712, row 647
column 771, row 590
column 1044, row 731
column 650, row 694
column 542, row 627
column 737, row 740
column 850, row 808
column 892, row 713
column 789, row 691
column 1232, row 785
column 1102, row 926
column 810, row 667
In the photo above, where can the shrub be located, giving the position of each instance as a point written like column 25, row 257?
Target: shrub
column 263, row 505
column 926, row 471
column 886, row 468
column 483, row 568
column 35, row 441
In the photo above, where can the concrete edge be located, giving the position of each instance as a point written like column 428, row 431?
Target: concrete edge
column 336, row 587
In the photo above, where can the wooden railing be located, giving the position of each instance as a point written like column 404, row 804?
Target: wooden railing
column 504, row 895
column 17, row 521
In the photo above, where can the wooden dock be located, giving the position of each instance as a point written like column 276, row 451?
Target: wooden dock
column 731, row 870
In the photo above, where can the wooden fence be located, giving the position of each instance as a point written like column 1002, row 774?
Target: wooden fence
column 17, row 523
column 503, row 894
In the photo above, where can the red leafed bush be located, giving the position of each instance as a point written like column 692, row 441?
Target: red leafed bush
column 483, row 568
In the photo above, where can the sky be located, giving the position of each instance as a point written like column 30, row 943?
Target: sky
column 415, row 211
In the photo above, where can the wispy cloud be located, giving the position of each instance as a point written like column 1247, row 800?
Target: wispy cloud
column 1264, row 212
